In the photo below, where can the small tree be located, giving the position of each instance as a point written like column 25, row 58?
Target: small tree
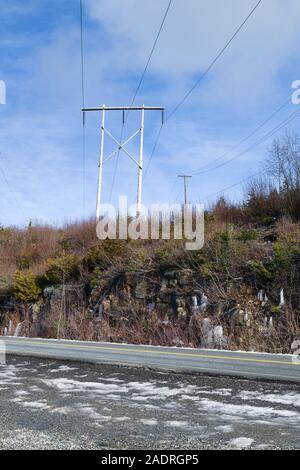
column 283, row 162
column 62, row 269
column 24, row 287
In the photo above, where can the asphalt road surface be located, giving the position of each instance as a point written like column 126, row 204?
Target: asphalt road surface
column 238, row 364
column 51, row 404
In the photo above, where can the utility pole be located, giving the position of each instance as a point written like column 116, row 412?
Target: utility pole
column 121, row 146
column 185, row 178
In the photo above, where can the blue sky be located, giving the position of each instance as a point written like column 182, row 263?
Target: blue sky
column 41, row 124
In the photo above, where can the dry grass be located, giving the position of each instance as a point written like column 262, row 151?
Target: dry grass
column 30, row 248
column 222, row 270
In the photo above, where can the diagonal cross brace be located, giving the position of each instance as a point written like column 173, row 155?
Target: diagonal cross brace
column 121, row 146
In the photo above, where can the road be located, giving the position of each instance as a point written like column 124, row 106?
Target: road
column 226, row 363
column 48, row 404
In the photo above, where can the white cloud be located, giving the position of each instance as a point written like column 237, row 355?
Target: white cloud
column 41, row 133
column 196, row 31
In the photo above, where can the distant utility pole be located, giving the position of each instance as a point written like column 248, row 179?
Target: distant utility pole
column 121, row 146
column 185, row 178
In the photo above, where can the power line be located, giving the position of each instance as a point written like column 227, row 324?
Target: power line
column 237, row 184
column 290, row 118
column 153, row 152
column 242, row 141
column 204, row 74
column 151, row 54
column 83, row 106
column 294, row 115
column 136, row 93
column 82, row 54
column 182, row 101
column 116, row 164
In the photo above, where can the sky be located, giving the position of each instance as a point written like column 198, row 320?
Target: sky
column 41, row 159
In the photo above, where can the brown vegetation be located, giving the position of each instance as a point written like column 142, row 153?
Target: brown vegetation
column 63, row 282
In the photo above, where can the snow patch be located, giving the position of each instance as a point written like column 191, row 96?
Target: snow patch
column 226, row 429
column 241, row 442
column 62, row 369
column 149, row 422
column 291, row 398
column 246, row 410
column 36, row 405
column 177, row 424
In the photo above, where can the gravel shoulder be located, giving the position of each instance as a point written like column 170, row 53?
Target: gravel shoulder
column 49, row 404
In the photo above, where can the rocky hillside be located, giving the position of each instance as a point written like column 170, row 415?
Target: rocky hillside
column 240, row 291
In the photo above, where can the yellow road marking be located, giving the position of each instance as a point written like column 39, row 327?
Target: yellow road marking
column 160, row 353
